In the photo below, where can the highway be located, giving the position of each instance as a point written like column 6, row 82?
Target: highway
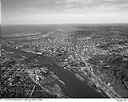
column 109, row 91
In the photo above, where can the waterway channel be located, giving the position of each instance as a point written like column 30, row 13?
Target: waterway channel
column 73, row 88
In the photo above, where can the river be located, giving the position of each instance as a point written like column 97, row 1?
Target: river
column 73, row 88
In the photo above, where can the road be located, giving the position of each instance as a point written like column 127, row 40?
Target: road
column 109, row 91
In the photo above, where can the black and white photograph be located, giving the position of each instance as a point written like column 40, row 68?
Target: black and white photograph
column 64, row 49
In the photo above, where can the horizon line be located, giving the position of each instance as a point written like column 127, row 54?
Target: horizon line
column 68, row 24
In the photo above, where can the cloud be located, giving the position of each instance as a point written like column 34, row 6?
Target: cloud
column 78, row 1
column 111, row 6
column 73, row 5
column 122, row 5
column 74, row 2
column 111, row 0
column 108, row 6
column 95, row 17
column 89, row 6
column 0, row 11
column 66, row 11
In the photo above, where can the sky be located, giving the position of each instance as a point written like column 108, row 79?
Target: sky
column 63, row 11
